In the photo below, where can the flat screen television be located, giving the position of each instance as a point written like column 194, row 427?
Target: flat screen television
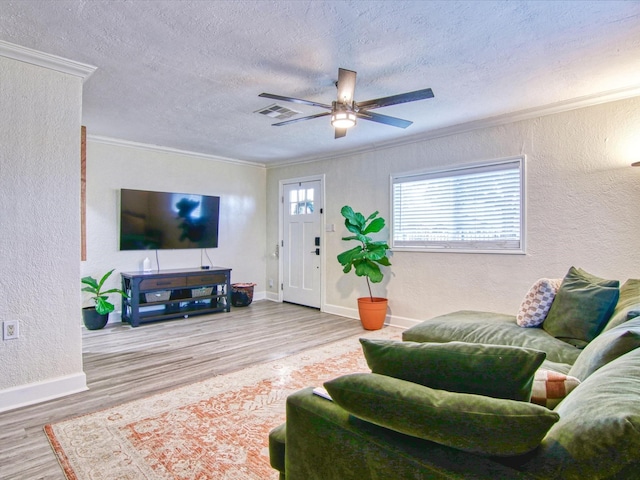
column 163, row 220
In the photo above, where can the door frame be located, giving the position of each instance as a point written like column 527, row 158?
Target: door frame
column 323, row 269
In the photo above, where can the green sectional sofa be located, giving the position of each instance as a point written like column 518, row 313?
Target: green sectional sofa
column 593, row 433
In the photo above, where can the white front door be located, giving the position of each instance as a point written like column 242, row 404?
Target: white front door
column 301, row 249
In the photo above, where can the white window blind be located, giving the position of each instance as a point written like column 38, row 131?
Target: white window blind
column 464, row 209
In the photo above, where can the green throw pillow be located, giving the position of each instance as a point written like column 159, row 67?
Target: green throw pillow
column 472, row 423
column 492, row 370
column 581, row 308
column 606, row 347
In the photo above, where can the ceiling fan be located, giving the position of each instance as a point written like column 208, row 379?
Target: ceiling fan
column 345, row 110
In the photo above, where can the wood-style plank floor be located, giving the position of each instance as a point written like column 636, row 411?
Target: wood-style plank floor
column 124, row 363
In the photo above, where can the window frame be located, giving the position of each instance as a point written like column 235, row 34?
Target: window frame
column 454, row 171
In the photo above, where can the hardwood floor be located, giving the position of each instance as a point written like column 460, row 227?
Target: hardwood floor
column 124, row 363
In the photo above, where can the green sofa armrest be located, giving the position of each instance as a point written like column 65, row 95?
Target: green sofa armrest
column 324, row 442
column 277, row 438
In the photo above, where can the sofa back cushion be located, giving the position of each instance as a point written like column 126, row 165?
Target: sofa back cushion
column 493, row 370
column 607, row 347
column 628, row 305
column 490, row 328
column 598, row 435
column 581, row 307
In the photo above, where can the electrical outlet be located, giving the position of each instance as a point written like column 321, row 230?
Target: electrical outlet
column 10, row 329
column 271, row 283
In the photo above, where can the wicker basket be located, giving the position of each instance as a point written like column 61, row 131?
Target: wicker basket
column 159, row 296
column 201, row 292
column 242, row 294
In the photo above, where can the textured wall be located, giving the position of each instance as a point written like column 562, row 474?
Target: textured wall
column 582, row 209
column 242, row 210
column 40, row 223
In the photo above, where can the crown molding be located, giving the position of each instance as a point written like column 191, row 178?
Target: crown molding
column 498, row 120
column 160, row 149
column 46, row 60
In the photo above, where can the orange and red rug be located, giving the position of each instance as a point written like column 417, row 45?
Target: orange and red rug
column 215, row 429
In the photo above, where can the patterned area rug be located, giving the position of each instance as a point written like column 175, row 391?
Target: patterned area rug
column 215, row 429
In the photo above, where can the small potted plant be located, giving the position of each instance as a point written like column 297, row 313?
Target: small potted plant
column 366, row 259
column 96, row 317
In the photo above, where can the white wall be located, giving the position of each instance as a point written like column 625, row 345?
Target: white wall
column 241, row 188
column 582, row 210
column 40, row 232
column 583, row 200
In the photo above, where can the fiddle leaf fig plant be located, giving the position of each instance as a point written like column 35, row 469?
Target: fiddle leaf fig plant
column 366, row 258
column 100, row 298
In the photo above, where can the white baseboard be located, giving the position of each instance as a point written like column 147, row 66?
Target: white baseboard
column 403, row 322
column 23, row 395
column 391, row 320
column 341, row 311
column 272, row 296
column 115, row 317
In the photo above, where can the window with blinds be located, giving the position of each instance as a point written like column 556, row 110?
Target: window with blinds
column 478, row 208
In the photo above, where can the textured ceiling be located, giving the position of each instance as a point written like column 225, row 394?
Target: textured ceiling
column 187, row 74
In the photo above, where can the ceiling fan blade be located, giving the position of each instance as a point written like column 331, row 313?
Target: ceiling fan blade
column 341, row 132
column 301, row 119
column 386, row 119
column 396, row 99
column 295, row 100
column 346, row 85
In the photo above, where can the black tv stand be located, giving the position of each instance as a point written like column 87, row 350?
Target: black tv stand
column 166, row 294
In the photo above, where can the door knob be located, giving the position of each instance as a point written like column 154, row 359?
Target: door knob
column 316, row 251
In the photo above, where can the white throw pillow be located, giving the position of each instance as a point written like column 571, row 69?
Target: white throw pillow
column 537, row 302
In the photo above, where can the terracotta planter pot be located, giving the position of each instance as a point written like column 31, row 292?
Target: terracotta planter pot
column 372, row 314
column 92, row 319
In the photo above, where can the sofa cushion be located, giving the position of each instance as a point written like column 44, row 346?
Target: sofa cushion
column 490, row 328
column 537, row 302
column 581, row 308
column 607, row 347
column 628, row 305
column 472, row 423
column 598, row 435
column 494, row 370
column 550, row 388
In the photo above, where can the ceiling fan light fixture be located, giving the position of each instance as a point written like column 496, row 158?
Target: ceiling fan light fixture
column 343, row 119
column 344, row 111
